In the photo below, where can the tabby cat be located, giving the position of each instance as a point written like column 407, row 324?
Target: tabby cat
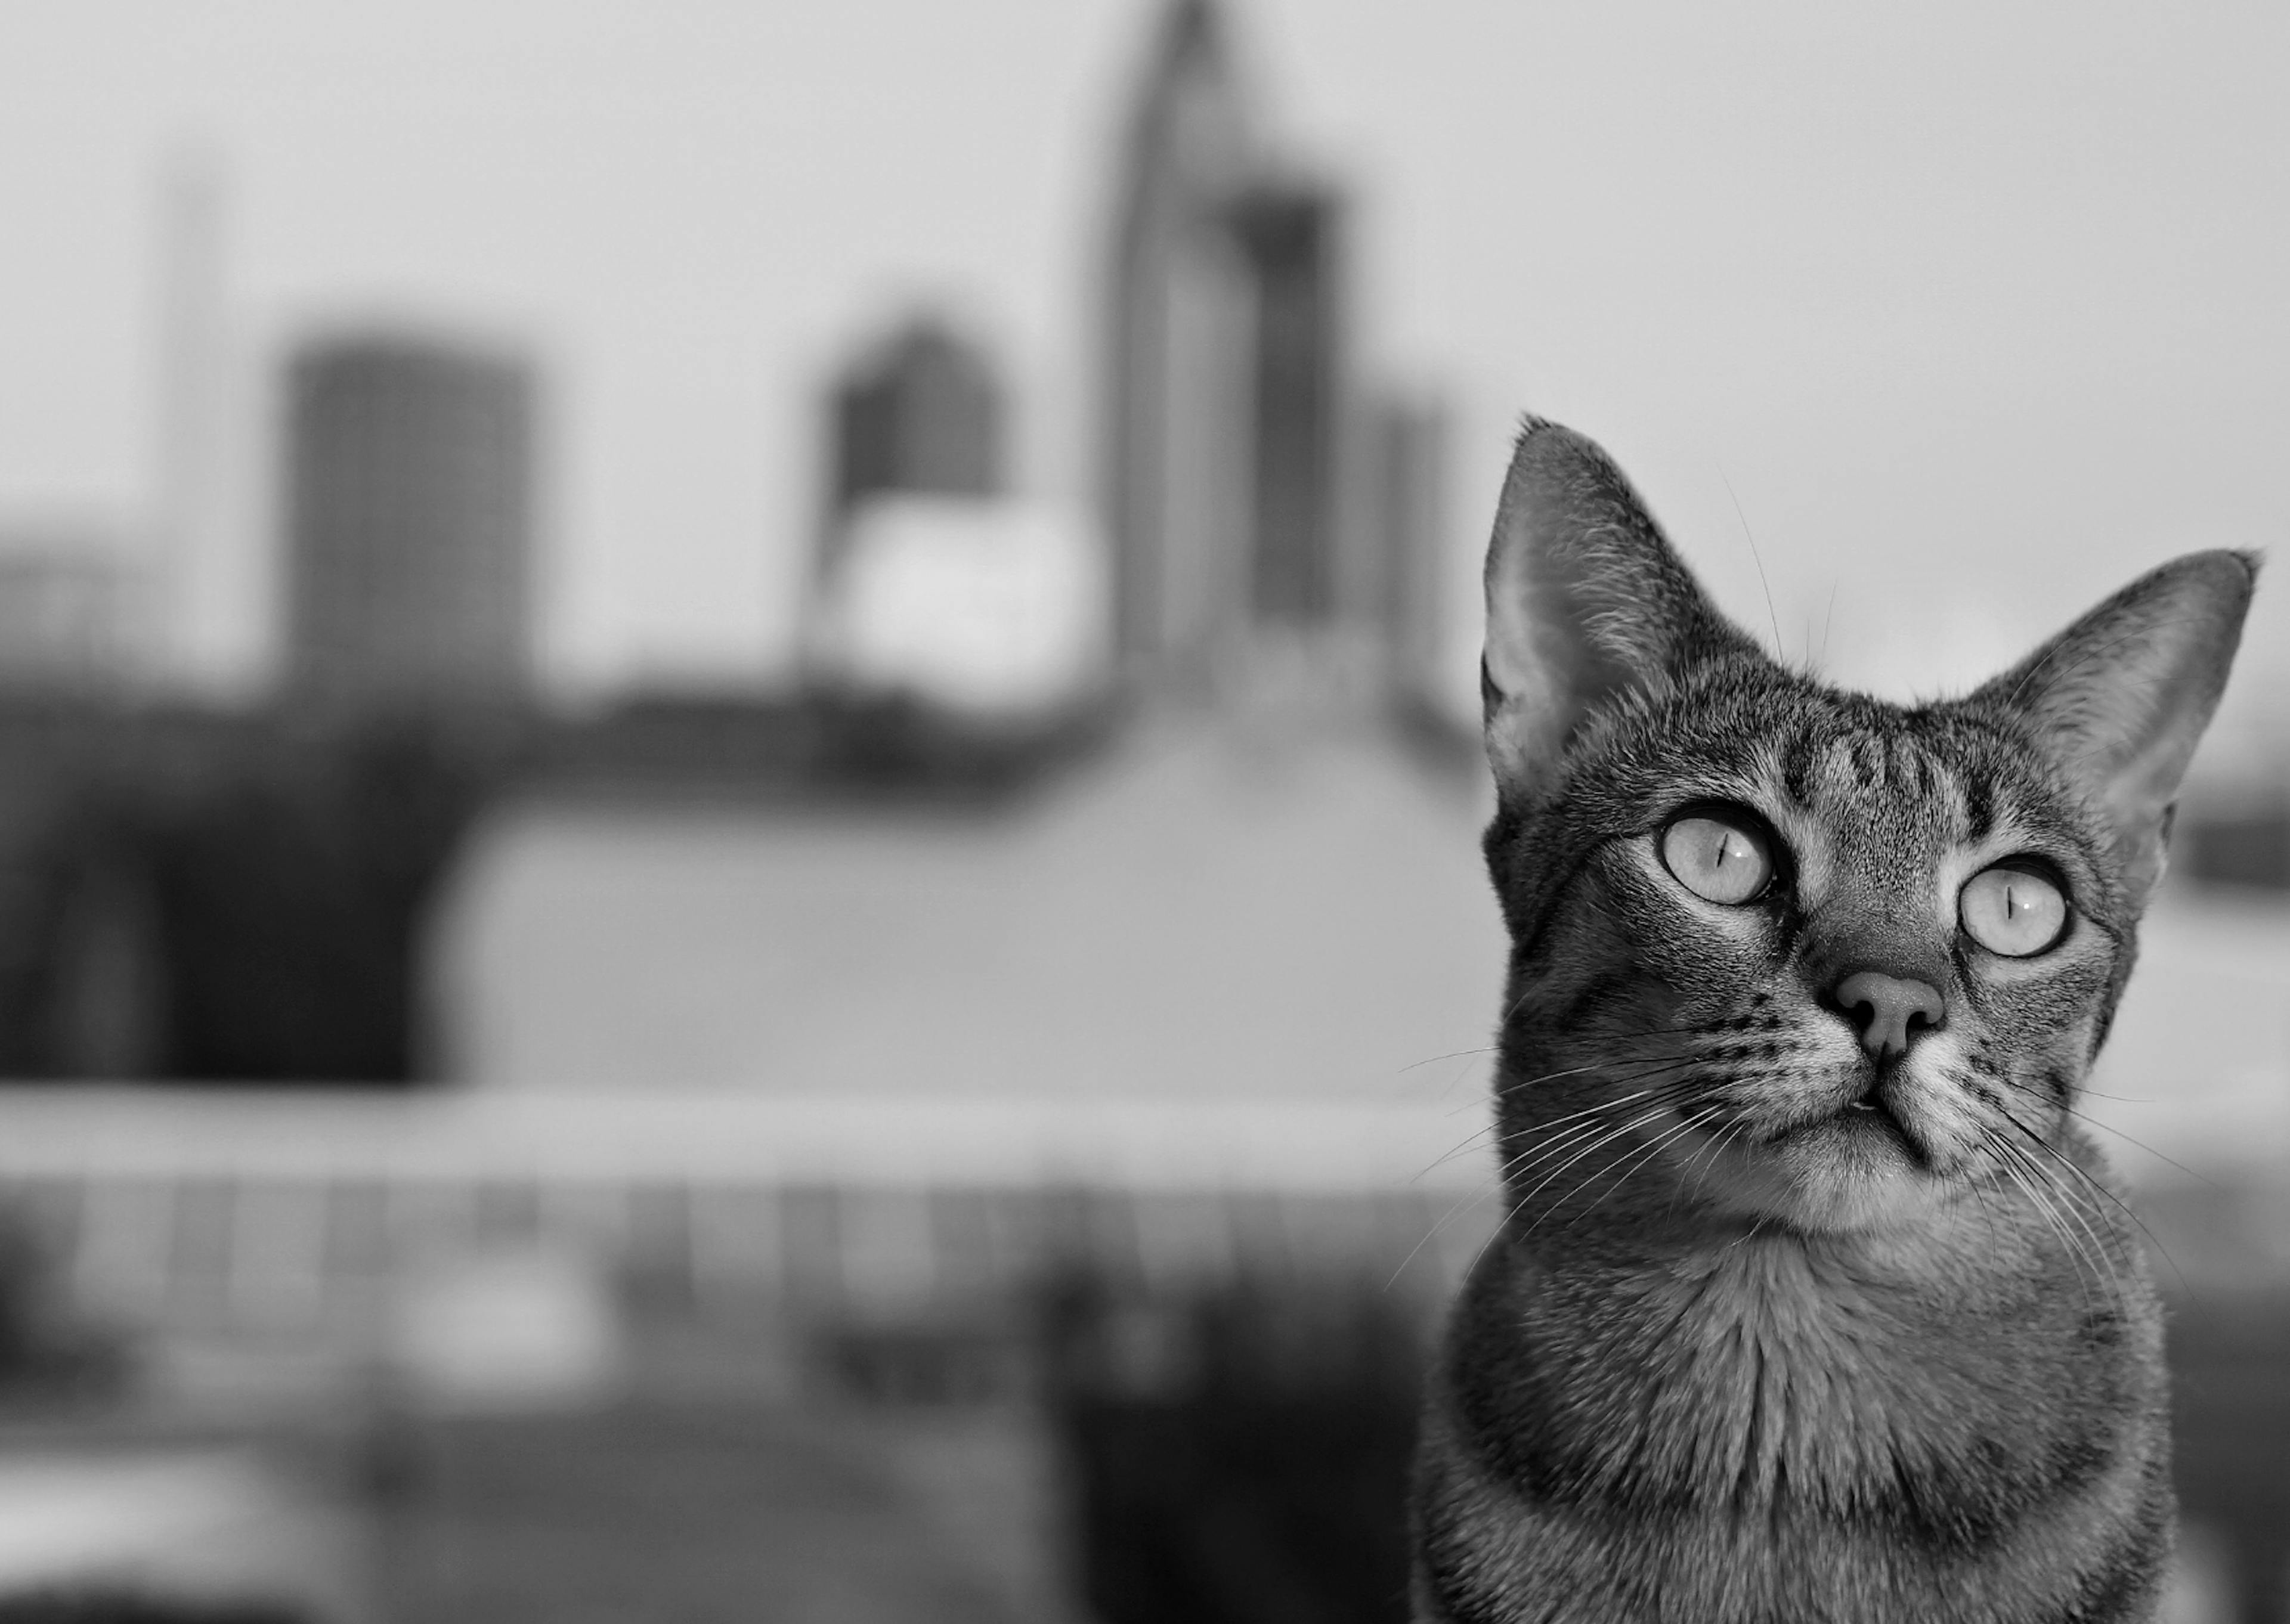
column 1812, row 1301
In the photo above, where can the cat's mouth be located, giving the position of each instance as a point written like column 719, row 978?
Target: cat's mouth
column 1869, row 1129
column 1872, row 1118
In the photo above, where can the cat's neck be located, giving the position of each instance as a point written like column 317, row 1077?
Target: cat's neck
column 1776, row 1370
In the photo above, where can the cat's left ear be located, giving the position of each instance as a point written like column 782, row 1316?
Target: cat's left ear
column 2123, row 695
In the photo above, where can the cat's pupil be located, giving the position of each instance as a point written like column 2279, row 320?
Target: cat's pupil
column 1717, row 861
column 2012, row 912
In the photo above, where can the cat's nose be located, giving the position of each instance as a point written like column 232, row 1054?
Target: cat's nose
column 1889, row 1011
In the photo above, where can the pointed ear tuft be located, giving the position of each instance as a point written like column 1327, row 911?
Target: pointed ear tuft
column 1584, row 600
column 2121, row 697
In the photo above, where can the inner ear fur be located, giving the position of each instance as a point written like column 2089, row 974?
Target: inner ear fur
column 2122, row 696
column 1585, row 599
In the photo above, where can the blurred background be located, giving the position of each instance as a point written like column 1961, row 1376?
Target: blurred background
column 738, row 781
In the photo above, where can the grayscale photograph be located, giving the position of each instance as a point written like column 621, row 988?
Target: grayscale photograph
column 1144, row 812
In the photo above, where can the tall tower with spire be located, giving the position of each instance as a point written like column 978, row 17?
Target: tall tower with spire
column 1275, row 530
column 1179, row 435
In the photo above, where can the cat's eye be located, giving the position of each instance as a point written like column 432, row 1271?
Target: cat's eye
column 2012, row 911
column 1717, row 859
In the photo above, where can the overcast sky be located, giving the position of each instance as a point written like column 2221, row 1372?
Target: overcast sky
column 1976, row 310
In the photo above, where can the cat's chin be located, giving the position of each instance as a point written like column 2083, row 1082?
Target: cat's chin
column 1858, row 1169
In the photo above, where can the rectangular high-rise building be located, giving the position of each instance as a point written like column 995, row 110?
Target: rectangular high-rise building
column 409, row 516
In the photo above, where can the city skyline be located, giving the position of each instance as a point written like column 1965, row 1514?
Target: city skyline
column 1935, row 339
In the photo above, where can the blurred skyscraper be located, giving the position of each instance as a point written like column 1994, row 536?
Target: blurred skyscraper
column 1177, row 490
column 1290, row 235
column 1261, row 514
column 409, row 517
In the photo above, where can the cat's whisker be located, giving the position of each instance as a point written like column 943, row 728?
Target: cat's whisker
column 1510, row 1170
column 1471, row 1143
column 1604, row 1140
column 2020, row 1172
column 1606, row 1061
column 1979, row 1191
column 1772, row 616
column 2103, row 1263
column 1586, row 1137
column 1636, row 1032
column 1669, row 1094
column 2203, row 1179
column 2035, row 1181
column 1548, row 1144
column 1433, row 1059
column 2121, row 1205
column 1653, row 1148
column 1475, row 1195
column 1974, row 1196
column 1541, row 1136
column 1503, row 1023
column 1543, row 1128
column 2044, row 1145
column 2084, row 1175
column 1650, row 1070
column 1496, row 1184
column 1713, row 1151
column 1638, row 1062
column 2092, row 1256
column 1691, row 1121
column 1549, row 1076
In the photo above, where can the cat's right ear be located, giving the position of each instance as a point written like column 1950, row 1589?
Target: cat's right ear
column 1584, row 600
column 2120, row 699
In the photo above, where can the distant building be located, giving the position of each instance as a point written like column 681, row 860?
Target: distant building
column 65, row 606
column 933, row 584
column 1402, row 496
column 1261, row 544
column 1289, row 234
column 1179, row 435
column 921, row 414
column 409, row 518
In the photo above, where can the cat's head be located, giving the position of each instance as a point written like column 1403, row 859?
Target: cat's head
column 1844, row 959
